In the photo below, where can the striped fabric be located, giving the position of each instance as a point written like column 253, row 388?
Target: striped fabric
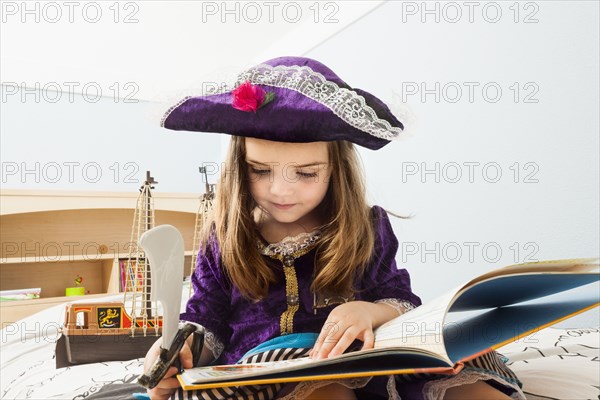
column 250, row 392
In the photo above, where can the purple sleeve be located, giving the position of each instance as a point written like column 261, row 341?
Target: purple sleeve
column 210, row 304
column 382, row 278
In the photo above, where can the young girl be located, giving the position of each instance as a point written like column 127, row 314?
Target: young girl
column 294, row 261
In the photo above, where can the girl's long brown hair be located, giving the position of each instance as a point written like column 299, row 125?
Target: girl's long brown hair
column 348, row 235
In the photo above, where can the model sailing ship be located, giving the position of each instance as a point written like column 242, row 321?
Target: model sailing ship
column 118, row 331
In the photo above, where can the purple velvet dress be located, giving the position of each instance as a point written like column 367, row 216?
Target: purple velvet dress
column 240, row 325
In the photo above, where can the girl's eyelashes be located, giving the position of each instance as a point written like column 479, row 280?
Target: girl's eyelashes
column 307, row 175
column 267, row 171
column 260, row 171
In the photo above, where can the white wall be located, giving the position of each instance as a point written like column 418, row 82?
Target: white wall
column 105, row 145
column 554, row 140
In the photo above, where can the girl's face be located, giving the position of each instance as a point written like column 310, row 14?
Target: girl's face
column 288, row 180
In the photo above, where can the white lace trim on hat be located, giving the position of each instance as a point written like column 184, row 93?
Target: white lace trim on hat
column 344, row 103
column 171, row 109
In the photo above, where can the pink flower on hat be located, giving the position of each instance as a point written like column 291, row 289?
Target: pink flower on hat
column 249, row 97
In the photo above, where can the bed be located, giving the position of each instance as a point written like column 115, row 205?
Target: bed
column 560, row 362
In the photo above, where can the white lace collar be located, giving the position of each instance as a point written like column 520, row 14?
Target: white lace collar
column 290, row 244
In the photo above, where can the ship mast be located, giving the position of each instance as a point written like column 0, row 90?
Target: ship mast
column 138, row 276
column 206, row 205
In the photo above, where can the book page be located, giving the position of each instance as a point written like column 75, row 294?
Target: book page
column 420, row 328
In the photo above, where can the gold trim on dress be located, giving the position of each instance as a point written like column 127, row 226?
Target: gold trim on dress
column 287, row 259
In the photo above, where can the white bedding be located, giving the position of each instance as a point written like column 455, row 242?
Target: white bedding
column 28, row 369
column 27, row 365
column 557, row 363
column 553, row 363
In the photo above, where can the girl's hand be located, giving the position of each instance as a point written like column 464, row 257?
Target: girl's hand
column 347, row 322
column 169, row 384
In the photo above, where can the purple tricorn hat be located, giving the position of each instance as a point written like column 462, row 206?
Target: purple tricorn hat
column 289, row 99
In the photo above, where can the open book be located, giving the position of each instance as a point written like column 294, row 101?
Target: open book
column 487, row 312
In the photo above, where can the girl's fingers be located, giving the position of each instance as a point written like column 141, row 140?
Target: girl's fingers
column 168, row 384
column 342, row 344
column 185, row 356
column 335, row 349
column 324, row 350
column 328, row 334
column 166, row 387
column 171, row 372
column 369, row 340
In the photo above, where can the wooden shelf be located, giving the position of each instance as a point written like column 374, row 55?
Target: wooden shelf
column 48, row 238
column 63, row 258
column 91, row 258
column 15, row 201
